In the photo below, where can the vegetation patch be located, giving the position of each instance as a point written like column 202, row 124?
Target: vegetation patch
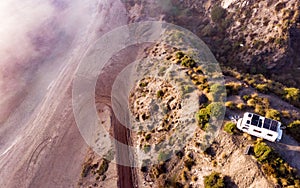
column 273, row 114
column 214, row 180
column 274, row 166
column 230, row 127
column 233, row 88
column 217, row 13
column 264, row 85
column 213, row 110
column 294, row 129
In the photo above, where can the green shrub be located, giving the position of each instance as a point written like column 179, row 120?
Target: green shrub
column 179, row 55
column 230, row 127
column 251, row 102
column 202, row 117
column 241, row 106
column 216, row 109
column 164, row 155
column 217, row 13
column 148, row 137
column 246, row 97
column 218, row 92
column 291, row 94
column 274, row 166
column 188, row 62
column 273, row 114
column 294, row 129
column 103, row 167
column 214, row 180
column 233, row 88
column 263, row 88
column 159, row 94
column 230, row 105
column 259, row 109
column 147, row 148
column 262, row 151
column 143, row 84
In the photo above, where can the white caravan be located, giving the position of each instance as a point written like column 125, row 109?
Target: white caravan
column 260, row 126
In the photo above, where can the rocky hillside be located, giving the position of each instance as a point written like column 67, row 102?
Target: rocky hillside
column 249, row 36
column 253, row 36
column 195, row 163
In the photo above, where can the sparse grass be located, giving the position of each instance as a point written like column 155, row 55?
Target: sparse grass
column 189, row 163
column 259, row 104
column 246, row 97
column 285, row 114
column 187, row 89
column 262, row 84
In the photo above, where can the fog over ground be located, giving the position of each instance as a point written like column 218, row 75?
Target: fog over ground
column 41, row 43
column 32, row 32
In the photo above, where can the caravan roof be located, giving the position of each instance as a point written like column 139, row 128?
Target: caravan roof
column 260, row 126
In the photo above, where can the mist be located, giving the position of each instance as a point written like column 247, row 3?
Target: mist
column 34, row 33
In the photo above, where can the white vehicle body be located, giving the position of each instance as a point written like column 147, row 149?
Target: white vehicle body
column 260, row 126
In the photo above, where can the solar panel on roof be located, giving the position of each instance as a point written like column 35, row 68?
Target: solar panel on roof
column 254, row 122
column 260, row 123
column 274, row 126
column 255, row 117
column 267, row 123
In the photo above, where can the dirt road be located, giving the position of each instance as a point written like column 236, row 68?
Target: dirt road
column 126, row 174
column 40, row 145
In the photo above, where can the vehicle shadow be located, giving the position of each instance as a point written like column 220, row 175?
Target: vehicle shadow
column 229, row 183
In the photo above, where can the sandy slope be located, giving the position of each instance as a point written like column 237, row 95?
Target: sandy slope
column 41, row 146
